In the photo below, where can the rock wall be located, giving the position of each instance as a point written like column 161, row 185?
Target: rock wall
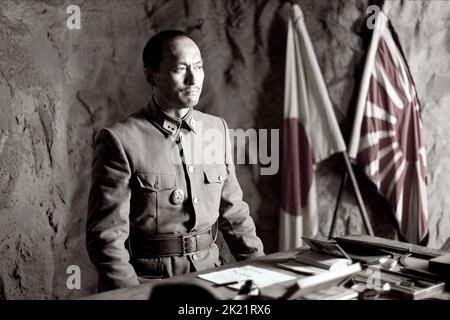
column 59, row 86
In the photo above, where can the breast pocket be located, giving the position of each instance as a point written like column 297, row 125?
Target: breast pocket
column 215, row 175
column 215, row 178
column 145, row 204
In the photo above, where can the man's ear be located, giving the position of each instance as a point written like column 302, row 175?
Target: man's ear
column 149, row 75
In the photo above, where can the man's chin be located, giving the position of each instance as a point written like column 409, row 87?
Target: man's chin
column 189, row 103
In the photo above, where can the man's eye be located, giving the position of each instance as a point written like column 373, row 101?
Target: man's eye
column 179, row 69
column 199, row 67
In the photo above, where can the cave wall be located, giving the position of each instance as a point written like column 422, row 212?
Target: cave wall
column 59, row 86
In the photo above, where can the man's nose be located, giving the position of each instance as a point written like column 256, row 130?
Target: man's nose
column 189, row 78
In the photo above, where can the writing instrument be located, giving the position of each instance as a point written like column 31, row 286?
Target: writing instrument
column 225, row 284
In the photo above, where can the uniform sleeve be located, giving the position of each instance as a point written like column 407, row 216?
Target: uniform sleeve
column 108, row 221
column 235, row 222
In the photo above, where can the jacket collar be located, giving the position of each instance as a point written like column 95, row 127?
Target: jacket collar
column 167, row 123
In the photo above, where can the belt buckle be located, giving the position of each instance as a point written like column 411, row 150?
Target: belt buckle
column 184, row 247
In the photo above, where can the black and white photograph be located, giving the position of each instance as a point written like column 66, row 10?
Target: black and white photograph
column 194, row 152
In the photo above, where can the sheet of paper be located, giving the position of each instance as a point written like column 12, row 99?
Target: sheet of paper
column 301, row 268
column 262, row 277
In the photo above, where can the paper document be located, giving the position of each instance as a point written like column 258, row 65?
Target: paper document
column 262, row 277
column 332, row 293
column 328, row 277
column 301, row 268
column 322, row 260
column 320, row 281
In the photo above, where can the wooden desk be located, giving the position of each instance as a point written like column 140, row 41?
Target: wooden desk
column 142, row 292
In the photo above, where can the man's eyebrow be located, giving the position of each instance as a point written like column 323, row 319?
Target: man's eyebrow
column 186, row 64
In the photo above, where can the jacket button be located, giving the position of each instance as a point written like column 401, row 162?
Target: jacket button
column 195, row 200
column 195, row 257
column 177, row 197
column 191, row 169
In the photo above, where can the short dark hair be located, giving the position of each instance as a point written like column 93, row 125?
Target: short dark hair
column 152, row 50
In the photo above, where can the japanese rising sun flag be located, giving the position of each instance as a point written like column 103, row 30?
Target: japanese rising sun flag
column 386, row 139
column 310, row 135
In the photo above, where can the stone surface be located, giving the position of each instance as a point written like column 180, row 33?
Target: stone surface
column 59, row 86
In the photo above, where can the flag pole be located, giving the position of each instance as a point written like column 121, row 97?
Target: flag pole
column 359, row 200
column 362, row 209
column 338, row 202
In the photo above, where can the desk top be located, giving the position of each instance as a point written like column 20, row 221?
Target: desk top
column 142, row 292
column 269, row 262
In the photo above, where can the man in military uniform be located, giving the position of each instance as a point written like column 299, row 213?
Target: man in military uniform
column 154, row 208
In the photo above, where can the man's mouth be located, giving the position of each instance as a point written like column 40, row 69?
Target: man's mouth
column 191, row 92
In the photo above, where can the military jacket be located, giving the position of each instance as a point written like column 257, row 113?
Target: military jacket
column 155, row 174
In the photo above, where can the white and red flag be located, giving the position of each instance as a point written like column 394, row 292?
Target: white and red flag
column 386, row 139
column 310, row 135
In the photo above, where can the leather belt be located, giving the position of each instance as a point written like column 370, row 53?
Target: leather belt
column 166, row 245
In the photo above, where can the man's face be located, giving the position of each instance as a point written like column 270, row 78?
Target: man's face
column 178, row 81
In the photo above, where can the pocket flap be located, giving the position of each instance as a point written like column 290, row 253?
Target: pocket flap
column 215, row 175
column 156, row 181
